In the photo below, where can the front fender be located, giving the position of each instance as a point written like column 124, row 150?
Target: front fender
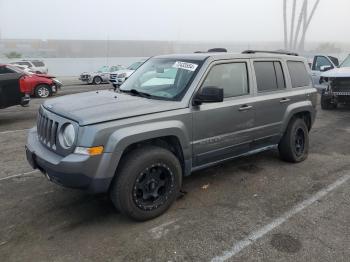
column 122, row 138
column 295, row 108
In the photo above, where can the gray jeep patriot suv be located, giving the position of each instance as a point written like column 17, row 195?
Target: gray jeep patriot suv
column 174, row 115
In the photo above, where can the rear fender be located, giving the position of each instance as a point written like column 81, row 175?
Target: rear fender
column 295, row 108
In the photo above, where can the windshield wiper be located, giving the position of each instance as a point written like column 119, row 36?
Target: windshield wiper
column 137, row 93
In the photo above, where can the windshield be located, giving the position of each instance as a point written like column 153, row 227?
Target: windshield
column 16, row 69
column 103, row 69
column 346, row 62
column 135, row 66
column 162, row 78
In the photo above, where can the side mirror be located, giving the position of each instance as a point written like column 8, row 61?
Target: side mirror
column 325, row 68
column 209, row 94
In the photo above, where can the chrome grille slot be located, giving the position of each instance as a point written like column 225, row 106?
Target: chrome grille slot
column 47, row 130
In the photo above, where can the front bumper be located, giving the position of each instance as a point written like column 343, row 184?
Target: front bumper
column 74, row 171
column 85, row 79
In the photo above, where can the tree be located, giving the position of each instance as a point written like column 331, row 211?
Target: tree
column 13, row 54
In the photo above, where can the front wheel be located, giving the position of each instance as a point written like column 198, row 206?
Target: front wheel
column 147, row 183
column 294, row 145
column 97, row 80
column 43, row 91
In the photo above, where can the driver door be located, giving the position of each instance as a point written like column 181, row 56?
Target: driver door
column 224, row 130
column 10, row 93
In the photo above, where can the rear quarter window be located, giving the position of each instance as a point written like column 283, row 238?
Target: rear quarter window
column 298, row 74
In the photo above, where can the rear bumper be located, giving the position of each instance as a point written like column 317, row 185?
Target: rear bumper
column 74, row 171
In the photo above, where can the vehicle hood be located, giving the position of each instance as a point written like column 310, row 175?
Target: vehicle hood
column 337, row 72
column 45, row 76
column 90, row 73
column 102, row 106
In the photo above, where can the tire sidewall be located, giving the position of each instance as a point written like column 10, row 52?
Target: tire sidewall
column 299, row 124
column 125, row 182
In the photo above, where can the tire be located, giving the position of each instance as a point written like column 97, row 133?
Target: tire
column 43, row 91
column 97, row 80
column 326, row 103
column 294, row 145
column 147, row 183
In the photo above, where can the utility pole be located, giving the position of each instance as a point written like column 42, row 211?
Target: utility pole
column 285, row 24
column 303, row 24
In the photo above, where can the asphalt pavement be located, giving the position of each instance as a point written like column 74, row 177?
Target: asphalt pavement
column 257, row 208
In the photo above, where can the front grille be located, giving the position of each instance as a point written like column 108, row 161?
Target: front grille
column 47, row 130
column 341, row 93
column 84, row 77
column 113, row 76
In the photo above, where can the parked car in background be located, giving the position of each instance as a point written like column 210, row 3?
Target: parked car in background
column 23, row 67
column 118, row 77
column 35, row 66
column 176, row 114
column 336, row 83
column 38, row 85
column 100, row 76
column 319, row 64
column 13, row 90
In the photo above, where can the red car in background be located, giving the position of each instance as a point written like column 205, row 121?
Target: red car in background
column 16, row 86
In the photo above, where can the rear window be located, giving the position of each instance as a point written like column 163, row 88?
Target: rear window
column 269, row 76
column 38, row 63
column 298, row 74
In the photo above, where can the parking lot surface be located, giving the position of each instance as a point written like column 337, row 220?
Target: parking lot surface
column 250, row 209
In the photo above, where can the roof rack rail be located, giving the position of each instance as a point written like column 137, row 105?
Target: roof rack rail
column 217, row 50
column 270, row 52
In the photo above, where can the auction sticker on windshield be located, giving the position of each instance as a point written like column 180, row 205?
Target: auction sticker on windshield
column 185, row 65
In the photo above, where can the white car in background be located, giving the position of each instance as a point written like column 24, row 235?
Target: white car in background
column 34, row 66
column 118, row 77
column 101, row 76
column 319, row 64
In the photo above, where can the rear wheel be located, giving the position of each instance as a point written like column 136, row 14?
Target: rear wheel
column 294, row 145
column 97, row 80
column 147, row 183
column 43, row 91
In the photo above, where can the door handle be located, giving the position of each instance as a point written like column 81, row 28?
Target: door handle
column 285, row 100
column 245, row 108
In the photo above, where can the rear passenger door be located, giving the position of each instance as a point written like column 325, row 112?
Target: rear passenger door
column 271, row 101
column 223, row 130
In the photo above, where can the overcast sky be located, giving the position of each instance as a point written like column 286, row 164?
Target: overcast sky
column 194, row 20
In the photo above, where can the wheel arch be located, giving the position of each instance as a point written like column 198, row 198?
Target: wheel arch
column 303, row 110
column 169, row 134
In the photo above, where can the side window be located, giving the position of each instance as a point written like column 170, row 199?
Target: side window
column 321, row 61
column 231, row 77
column 269, row 76
column 298, row 74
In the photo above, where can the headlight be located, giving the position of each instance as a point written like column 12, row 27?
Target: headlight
column 67, row 136
column 123, row 75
